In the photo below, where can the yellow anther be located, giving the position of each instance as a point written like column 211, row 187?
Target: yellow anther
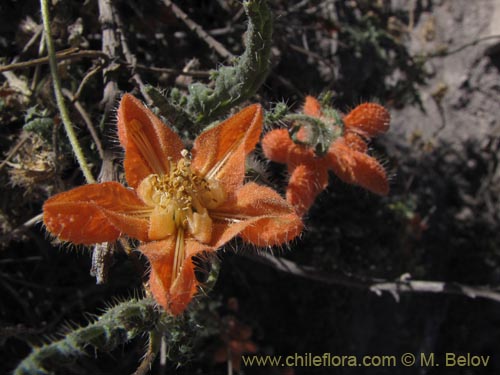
column 179, row 200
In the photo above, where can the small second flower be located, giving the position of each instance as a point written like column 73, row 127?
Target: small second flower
column 346, row 155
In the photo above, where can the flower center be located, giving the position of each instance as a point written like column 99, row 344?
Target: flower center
column 180, row 200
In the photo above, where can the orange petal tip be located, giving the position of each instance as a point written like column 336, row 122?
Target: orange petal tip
column 368, row 119
column 312, row 107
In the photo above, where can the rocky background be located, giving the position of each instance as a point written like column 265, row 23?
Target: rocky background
column 434, row 63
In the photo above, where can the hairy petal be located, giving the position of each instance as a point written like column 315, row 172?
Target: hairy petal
column 357, row 168
column 173, row 293
column 368, row 120
column 355, row 142
column 161, row 256
column 371, row 175
column 259, row 215
column 80, row 223
column 279, row 147
column 147, row 141
column 276, row 145
column 306, row 182
column 312, row 107
column 220, row 151
column 95, row 213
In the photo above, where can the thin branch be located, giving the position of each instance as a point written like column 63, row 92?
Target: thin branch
column 86, row 118
column 22, row 140
column 202, row 34
column 38, row 32
column 313, row 55
column 420, row 286
column 129, row 56
column 41, row 52
column 75, row 54
column 16, row 231
column 179, row 72
column 378, row 286
column 36, row 35
column 155, row 339
column 446, row 52
column 93, row 71
column 70, row 54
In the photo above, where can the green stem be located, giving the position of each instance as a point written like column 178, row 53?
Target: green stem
column 322, row 131
column 237, row 83
column 116, row 327
column 68, row 126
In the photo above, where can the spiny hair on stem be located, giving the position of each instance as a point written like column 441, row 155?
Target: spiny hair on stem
column 257, row 170
column 274, row 116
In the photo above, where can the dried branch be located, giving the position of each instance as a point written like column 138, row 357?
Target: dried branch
column 69, row 54
column 447, row 52
column 22, row 140
column 193, row 26
column 94, row 70
column 378, row 286
column 88, row 121
column 130, row 57
column 419, row 286
column 110, row 46
column 179, row 72
column 20, row 229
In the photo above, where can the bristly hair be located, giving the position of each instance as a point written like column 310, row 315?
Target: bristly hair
column 362, row 101
column 66, row 247
column 256, row 170
column 270, row 124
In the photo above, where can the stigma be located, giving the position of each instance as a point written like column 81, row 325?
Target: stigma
column 180, row 201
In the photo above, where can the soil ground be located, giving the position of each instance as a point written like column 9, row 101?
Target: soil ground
column 434, row 63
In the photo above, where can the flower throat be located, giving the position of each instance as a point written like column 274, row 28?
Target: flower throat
column 180, row 199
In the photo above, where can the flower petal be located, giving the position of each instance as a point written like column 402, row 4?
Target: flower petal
column 357, row 168
column 368, row 119
column 279, row 147
column 276, row 145
column 220, row 152
column 355, row 142
column 306, row 182
column 173, row 295
column 161, row 256
column 95, row 213
column 147, row 141
column 260, row 216
column 312, row 107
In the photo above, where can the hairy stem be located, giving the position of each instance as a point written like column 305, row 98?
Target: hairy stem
column 68, row 126
column 237, row 83
column 116, row 327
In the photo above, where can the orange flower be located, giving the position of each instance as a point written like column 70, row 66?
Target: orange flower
column 346, row 156
column 177, row 206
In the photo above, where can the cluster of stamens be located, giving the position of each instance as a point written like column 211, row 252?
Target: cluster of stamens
column 180, row 200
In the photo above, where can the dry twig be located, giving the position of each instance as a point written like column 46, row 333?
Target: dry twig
column 130, row 57
column 202, row 34
column 88, row 121
column 378, row 286
column 69, row 54
column 110, row 46
column 20, row 229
